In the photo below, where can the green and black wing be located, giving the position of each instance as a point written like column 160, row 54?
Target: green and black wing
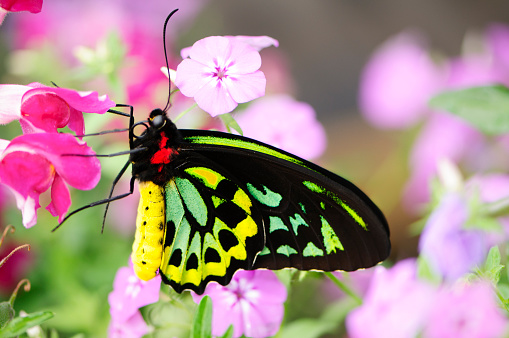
column 311, row 219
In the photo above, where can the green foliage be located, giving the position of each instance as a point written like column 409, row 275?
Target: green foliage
column 486, row 108
column 202, row 323
column 20, row 325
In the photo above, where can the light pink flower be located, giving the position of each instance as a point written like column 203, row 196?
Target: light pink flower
column 253, row 302
column 396, row 304
column 285, row 123
column 130, row 293
column 257, row 42
column 32, row 6
column 220, row 74
column 133, row 327
column 466, row 311
column 397, row 83
column 33, row 163
column 41, row 108
column 451, row 249
column 444, row 136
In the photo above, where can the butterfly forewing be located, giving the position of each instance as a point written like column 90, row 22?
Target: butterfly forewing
column 312, row 218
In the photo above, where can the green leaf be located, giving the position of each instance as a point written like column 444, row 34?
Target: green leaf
column 202, row 323
column 492, row 267
column 228, row 333
column 486, row 108
column 230, row 123
column 426, row 272
column 20, row 325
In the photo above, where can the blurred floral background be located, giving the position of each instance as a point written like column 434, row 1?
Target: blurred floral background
column 367, row 69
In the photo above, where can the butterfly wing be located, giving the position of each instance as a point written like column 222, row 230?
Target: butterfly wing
column 212, row 226
column 311, row 218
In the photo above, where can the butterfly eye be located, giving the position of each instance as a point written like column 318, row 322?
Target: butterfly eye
column 158, row 121
column 140, row 129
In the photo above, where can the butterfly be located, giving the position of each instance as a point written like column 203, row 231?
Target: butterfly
column 212, row 203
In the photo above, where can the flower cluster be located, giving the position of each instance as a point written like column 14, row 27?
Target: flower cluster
column 42, row 158
column 399, row 304
column 401, row 78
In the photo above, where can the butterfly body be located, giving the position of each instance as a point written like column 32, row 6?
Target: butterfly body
column 234, row 203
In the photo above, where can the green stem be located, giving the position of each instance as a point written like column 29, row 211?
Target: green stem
column 344, row 287
column 184, row 113
column 15, row 292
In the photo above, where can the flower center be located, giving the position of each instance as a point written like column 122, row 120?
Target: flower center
column 220, row 73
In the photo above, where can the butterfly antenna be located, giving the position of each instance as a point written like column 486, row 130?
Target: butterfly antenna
column 168, row 104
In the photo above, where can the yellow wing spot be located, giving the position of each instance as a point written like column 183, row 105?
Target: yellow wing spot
column 150, row 224
column 208, row 176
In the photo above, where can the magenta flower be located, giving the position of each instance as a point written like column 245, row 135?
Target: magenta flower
column 130, row 293
column 220, row 73
column 466, row 311
column 285, row 123
column 133, row 327
column 397, row 83
column 41, row 108
column 253, row 302
column 33, row 163
column 396, row 304
column 32, row 6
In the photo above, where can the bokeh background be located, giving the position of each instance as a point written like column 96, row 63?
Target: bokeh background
column 323, row 47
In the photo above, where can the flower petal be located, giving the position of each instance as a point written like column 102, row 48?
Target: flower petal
column 43, row 112
column 246, row 87
column 192, row 76
column 215, row 99
column 257, row 42
column 60, row 198
column 27, row 176
column 82, row 172
column 243, row 59
column 10, row 96
column 33, row 6
column 212, row 51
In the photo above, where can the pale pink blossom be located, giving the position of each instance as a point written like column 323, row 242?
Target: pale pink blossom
column 220, row 73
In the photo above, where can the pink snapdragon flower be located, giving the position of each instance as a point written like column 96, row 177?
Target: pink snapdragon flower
column 396, row 305
column 253, row 302
column 220, row 73
column 41, row 108
column 285, row 123
column 466, row 310
column 32, row 6
column 33, row 163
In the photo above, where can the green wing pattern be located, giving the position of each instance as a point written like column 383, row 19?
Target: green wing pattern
column 312, row 218
column 211, row 229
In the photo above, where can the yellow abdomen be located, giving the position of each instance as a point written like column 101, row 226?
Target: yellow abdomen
column 149, row 236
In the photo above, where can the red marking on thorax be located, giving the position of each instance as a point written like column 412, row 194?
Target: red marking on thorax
column 164, row 154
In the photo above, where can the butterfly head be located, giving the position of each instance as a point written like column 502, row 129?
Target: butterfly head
column 156, row 144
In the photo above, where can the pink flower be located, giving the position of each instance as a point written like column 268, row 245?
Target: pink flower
column 220, row 74
column 130, row 293
column 443, row 137
column 397, row 83
column 281, row 121
column 33, row 163
column 32, row 6
column 257, row 42
column 396, row 304
column 466, row 311
column 253, row 302
column 451, row 249
column 45, row 109
column 133, row 327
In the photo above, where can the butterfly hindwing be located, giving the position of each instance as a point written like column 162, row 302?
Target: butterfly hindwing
column 312, row 218
column 212, row 229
